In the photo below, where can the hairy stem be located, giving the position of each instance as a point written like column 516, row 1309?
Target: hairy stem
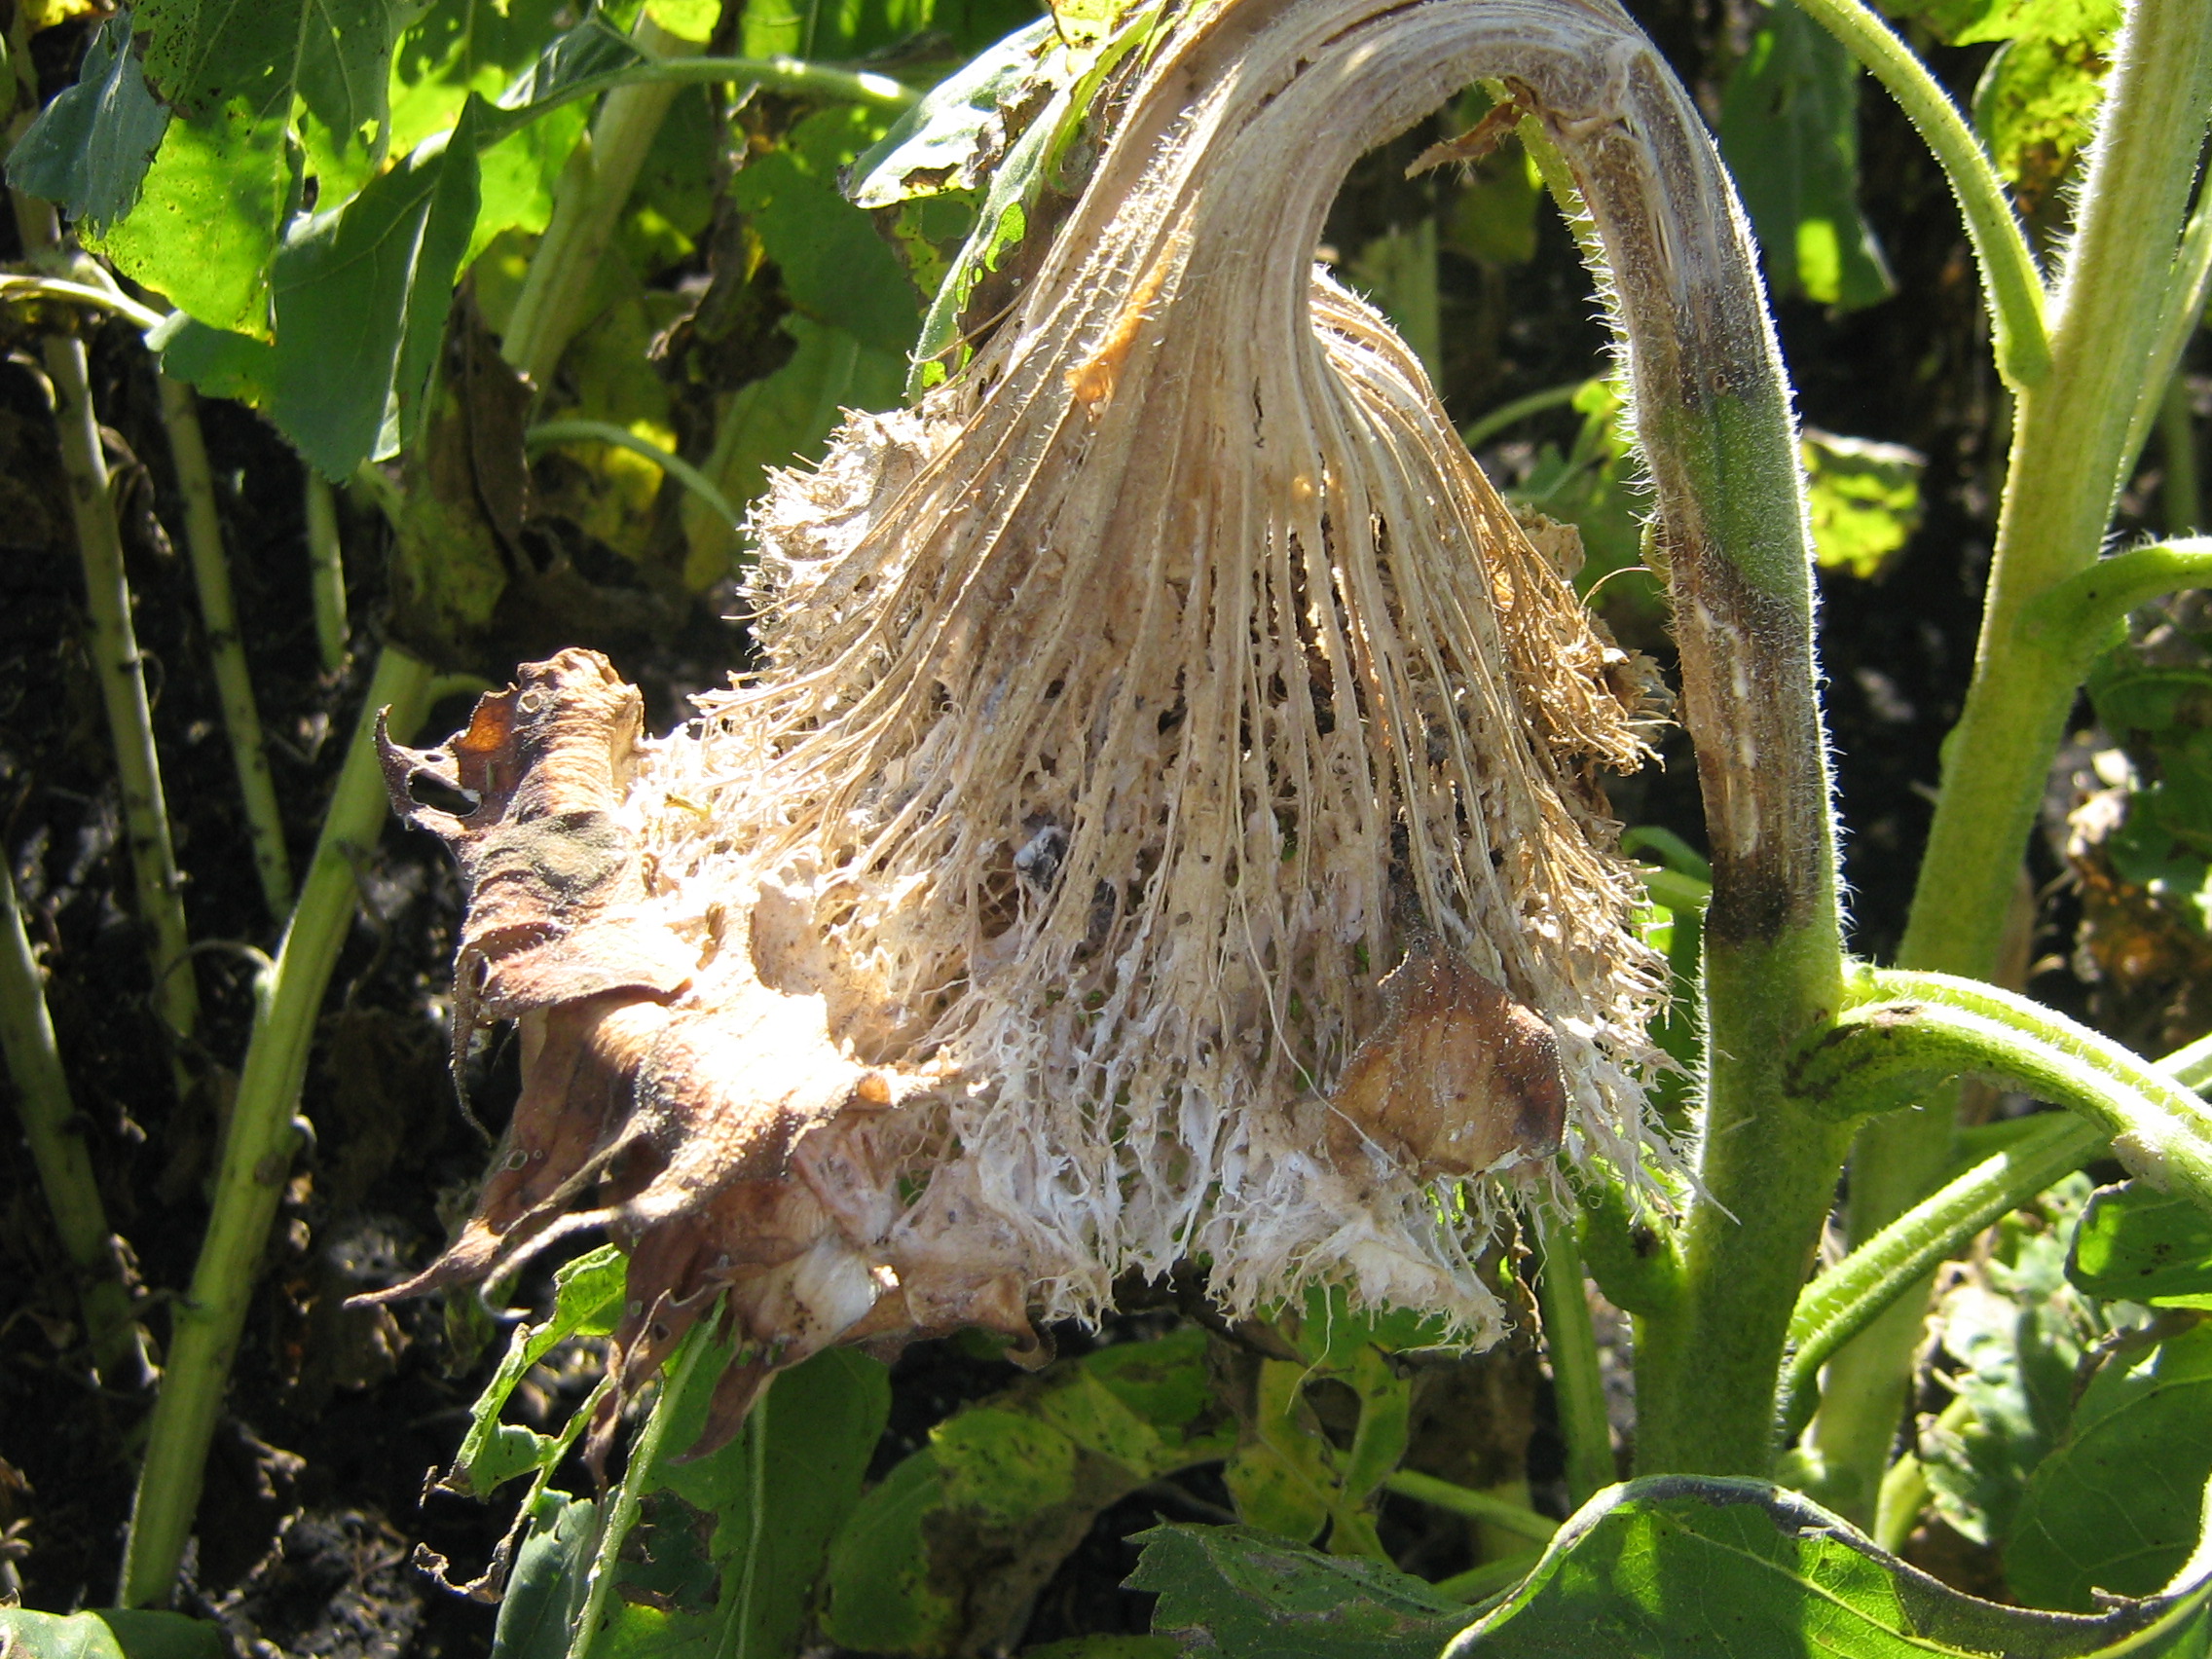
column 57, row 1147
column 326, row 572
column 2010, row 283
column 2081, row 614
column 258, row 1147
column 2180, row 497
column 234, row 684
column 2069, row 447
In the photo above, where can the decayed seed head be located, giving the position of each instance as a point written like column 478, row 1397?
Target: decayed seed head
column 1164, row 827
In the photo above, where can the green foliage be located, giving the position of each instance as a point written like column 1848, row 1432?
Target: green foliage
column 545, row 1592
column 946, row 1553
column 2162, row 712
column 1790, row 131
column 112, row 1633
column 1865, row 498
column 725, row 1560
column 1659, row 1568
column 2118, row 1506
column 2135, row 1243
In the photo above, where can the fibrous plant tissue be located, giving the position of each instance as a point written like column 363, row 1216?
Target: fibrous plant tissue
column 1164, row 827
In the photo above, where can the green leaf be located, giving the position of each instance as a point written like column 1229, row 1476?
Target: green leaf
column 1684, row 1568
column 1236, row 1592
column 1790, row 131
column 89, row 150
column 545, row 1594
column 1864, row 500
column 587, row 1302
column 111, row 1633
column 766, row 1506
column 884, row 1593
column 837, row 270
column 2117, row 1507
column 361, row 297
column 2135, row 1243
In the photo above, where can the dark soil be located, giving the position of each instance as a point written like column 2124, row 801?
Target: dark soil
column 315, row 1501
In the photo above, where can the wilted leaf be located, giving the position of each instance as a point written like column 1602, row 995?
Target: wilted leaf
column 110, row 1634
column 1790, row 131
column 89, row 150
column 587, row 1302
column 2118, row 1506
column 1864, row 500
column 2135, row 1243
column 2015, row 1337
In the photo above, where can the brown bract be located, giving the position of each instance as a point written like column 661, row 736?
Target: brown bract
column 730, row 1150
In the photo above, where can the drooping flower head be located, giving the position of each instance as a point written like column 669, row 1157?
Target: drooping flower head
column 1164, row 826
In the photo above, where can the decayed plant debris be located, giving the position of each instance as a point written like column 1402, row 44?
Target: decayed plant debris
column 1156, row 711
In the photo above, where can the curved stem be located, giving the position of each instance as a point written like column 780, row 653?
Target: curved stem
column 621, row 437
column 1514, row 1517
column 234, row 684
column 2081, row 613
column 2010, row 281
column 58, row 1149
column 1519, row 409
column 257, row 1149
column 2063, row 476
column 13, row 287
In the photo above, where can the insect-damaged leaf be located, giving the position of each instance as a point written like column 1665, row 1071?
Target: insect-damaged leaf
column 1790, row 129
column 89, row 150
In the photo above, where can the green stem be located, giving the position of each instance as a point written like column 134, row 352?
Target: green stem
column 1514, row 1517
column 791, row 75
column 1837, row 1306
column 234, row 684
column 326, row 572
column 123, row 688
column 2010, row 281
column 1478, row 1583
column 14, row 287
column 2069, row 444
column 258, row 1147
column 621, row 437
column 587, row 201
column 1577, row 1382
column 58, row 1146
column 629, row 1495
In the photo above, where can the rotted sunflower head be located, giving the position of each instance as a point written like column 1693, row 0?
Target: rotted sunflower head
column 1166, row 827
